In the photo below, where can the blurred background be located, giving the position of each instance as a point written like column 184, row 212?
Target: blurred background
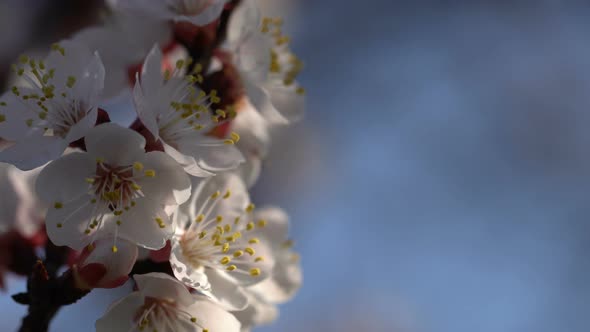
column 441, row 179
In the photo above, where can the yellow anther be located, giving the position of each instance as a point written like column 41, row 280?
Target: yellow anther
column 238, row 253
column 250, row 207
column 225, row 260
column 135, row 187
column 160, row 222
column 259, row 259
column 254, row 241
column 150, row 173
column 118, row 212
column 227, row 228
column 250, row 251
column 219, row 219
column 87, row 231
column 90, row 180
column 2, row 117
column 225, row 247
column 235, row 137
column 300, row 91
column 99, row 160
column 261, row 223
column 219, row 230
column 227, row 194
column 179, row 64
column 114, row 249
column 231, row 267
column 59, row 225
column 255, row 272
column 138, row 166
column 199, row 218
column 250, row 226
column 118, row 222
column 228, row 142
column 237, row 220
column 58, row 205
column 194, row 319
column 202, row 234
column 93, row 200
column 71, row 82
column 215, row 194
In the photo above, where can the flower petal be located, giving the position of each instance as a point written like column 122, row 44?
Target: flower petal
column 66, row 225
column 225, row 291
column 212, row 158
column 118, row 264
column 170, row 185
column 120, row 315
column 163, row 286
column 145, row 224
column 65, row 178
column 33, row 151
column 117, row 145
column 260, row 98
column 212, row 317
column 185, row 272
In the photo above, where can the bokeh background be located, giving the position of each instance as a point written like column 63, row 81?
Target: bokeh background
column 441, row 179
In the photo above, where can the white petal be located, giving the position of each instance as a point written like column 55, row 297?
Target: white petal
column 163, row 286
column 213, row 317
column 120, row 315
column 261, row 100
column 212, row 158
column 289, row 103
column 144, row 110
column 285, row 281
column 244, row 20
column 139, row 224
column 117, row 145
column 74, row 218
column 90, row 82
column 277, row 225
column 185, row 272
column 118, row 264
column 171, row 185
column 257, row 313
column 188, row 163
column 15, row 114
column 79, row 129
column 225, row 291
column 231, row 207
column 209, row 15
column 65, row 178
column 33, row 151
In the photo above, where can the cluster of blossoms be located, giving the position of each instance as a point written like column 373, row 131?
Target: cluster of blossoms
column 165, row 199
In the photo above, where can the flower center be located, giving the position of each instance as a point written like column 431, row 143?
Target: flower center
column 115, row 186
column 160, row 314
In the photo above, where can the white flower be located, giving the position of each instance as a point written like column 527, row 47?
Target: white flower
column 114, row 188
column 255, row 140
column 56, row 107
column 20, row 208
column 123, row 41
column 215, row 248
column 197, row 12
column 164, row 304
column 286, row 275
column 267, row 66
column 177, row 114
column 99, row 267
